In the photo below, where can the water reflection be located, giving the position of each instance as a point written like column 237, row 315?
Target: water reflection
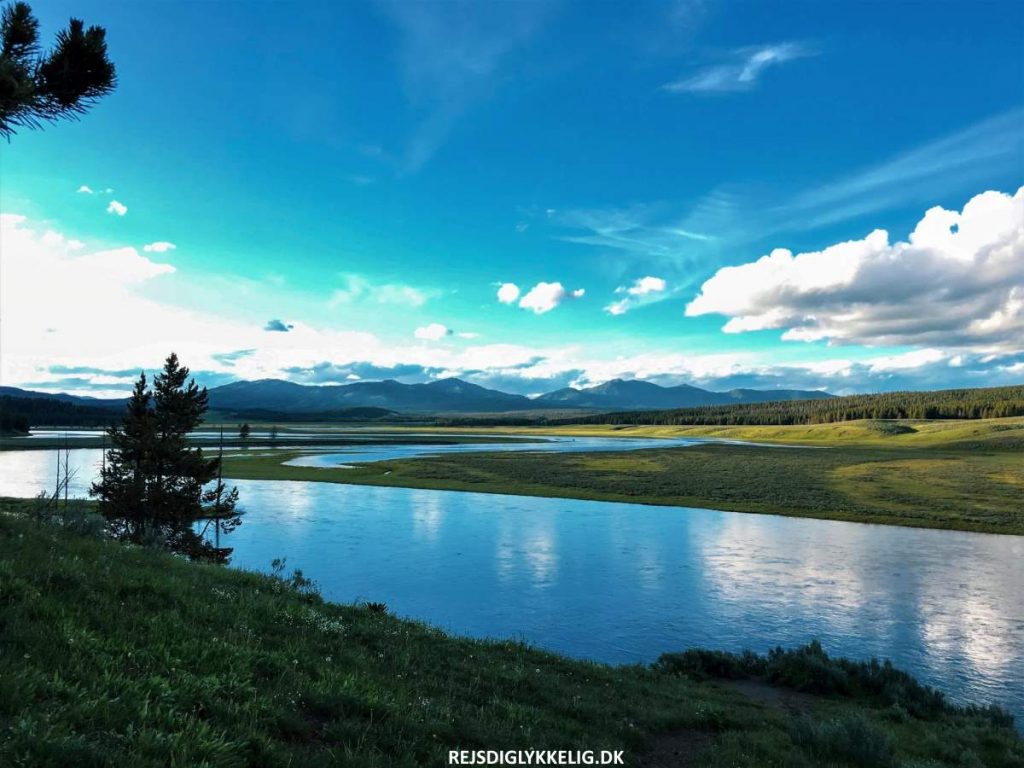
column 624, row 583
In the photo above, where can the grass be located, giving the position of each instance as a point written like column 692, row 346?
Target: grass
column 117, row 656
column 903, row 433
column 953, row 475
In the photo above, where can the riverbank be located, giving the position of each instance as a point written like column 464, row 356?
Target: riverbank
column 116, row 655
column 892, row 433
column 950, row 475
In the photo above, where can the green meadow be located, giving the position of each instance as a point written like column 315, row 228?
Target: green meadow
column 963, row 475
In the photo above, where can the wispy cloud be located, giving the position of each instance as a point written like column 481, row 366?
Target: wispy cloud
column 633, row 230
column 644, row 290
column 729, row 220
column 742, row 71
column 230, row 358
column 654, row 237
column 451, row 54
column 958, row 162
column 358, row 288
column 119, row 209
column 160, row 246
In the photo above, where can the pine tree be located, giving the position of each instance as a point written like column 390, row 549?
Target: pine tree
column 154, row 486
column 37, row 87
column 244, row 431
column 122, row 487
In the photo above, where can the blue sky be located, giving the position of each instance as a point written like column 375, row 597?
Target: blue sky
column 363, row 177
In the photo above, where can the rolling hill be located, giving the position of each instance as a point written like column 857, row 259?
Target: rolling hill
column 448, row 396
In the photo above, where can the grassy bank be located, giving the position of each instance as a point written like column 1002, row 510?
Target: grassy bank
column 120, row 656
column 954, row 475
column 1006, row 433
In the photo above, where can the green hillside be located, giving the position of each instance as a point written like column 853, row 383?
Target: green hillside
column 116, row 656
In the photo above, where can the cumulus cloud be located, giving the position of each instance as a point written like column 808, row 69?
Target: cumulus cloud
column 742, row 71
column 85, row 190
column 644, row 290
column 60, row 306
column 432, row 332
column 958, row 282
column 277, row 326
column 160, row 246
column 508, row 293
column 643, row 286
column 119, row 209
column 544, row 297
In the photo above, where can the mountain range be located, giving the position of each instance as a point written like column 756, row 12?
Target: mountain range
column 454, row 396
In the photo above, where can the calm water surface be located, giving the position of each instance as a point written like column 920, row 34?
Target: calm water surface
column 625, row 583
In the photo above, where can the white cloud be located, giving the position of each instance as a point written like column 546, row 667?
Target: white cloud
column 358, row 288
column 468, row 335
column 643, row 286
column 67, row 310
column 742, row 71
column 85, row 190
column 644, row 290
column 957, row 282
column 117, row 208
column 160, row 246
column 124, row 265
column 432, row 332
column 508, row 293
column 619, row 307
column 544, row 297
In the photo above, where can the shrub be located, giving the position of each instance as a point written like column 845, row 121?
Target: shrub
column 810, row 670
column 854, row 740
column 702, row 664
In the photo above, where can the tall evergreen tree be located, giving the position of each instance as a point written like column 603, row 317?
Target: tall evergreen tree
column 122, row 487
column 154, row 487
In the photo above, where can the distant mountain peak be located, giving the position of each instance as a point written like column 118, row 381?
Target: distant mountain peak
column 455, row 395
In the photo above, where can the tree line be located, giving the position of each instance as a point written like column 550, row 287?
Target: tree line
column 988, row 403
column 19, row 414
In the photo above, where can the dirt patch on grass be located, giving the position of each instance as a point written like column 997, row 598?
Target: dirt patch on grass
column 771, row 696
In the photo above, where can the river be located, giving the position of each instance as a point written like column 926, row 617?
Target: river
column 624, row 582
